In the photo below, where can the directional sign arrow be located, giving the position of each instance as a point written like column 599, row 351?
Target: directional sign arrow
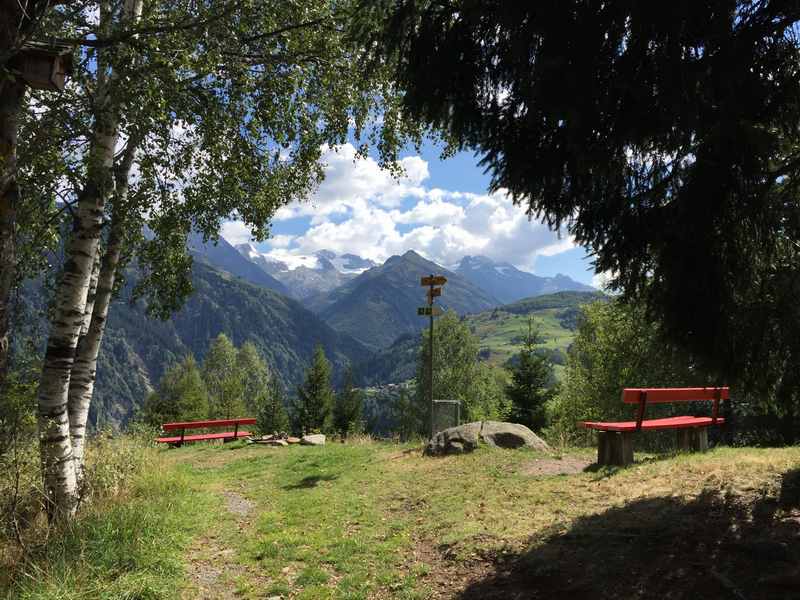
column 433, row 292
column 433, row 280
column 428, row 311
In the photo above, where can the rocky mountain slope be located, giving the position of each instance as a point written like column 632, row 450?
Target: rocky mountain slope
column 224, row 256
column 305, row 276
column 381, row 304
column 509, row 284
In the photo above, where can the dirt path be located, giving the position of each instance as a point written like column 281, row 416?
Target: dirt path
column 213, row 571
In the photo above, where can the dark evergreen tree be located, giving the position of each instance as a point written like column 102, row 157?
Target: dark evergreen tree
column 348, row 406
column 314, row 401
column 271, row 415
column 181, row 395
column 662, row 135
column 531, row 382
column 224, row 379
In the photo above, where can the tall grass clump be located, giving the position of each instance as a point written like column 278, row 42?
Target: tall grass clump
column 135, row 517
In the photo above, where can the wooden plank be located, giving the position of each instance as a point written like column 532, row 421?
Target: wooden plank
column 208, row 424
column 433, row 280
column 433, row 293
column 682, row 422
column 660, row 395
column 694, row 439
column 200, row 437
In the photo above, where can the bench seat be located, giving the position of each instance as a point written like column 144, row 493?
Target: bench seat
column 654, row 424
column 198, row 437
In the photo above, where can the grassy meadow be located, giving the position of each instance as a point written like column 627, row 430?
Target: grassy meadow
column 501, row 333
column 378, row 520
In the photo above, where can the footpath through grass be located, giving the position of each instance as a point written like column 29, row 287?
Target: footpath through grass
column 380, row 521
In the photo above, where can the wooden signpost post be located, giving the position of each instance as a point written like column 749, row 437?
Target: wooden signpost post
column 431, row 282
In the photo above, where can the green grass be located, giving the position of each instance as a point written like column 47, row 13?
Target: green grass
column 130, row 547
column 378, row 520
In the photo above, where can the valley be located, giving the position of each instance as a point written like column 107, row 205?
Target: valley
column 368, row 320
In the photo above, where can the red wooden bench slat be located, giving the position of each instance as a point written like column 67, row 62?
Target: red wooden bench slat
column 652, row 424
column 207, row 424
column 202, row 436
column 657, row 395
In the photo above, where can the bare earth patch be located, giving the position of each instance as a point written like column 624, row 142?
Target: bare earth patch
column 238, row 504
column 208, row 560
column 213, row 567
column 568, row 465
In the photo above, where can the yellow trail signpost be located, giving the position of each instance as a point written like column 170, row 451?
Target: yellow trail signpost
column 431, row 311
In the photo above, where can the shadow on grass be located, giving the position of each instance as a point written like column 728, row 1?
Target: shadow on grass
column 310, row 482
column 605, row 471
column 715, row 546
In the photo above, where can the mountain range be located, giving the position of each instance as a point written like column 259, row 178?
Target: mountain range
column 220, row 254
column 307, row 275
column 355, row 308
column 381, row 304
column 509, row 284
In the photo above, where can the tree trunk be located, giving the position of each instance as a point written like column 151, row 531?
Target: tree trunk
column 84, row 371
column 58, row 464
column 90, row 297
column 11, row 98
column 81, row 385
column 56, row 448
column 70, row 305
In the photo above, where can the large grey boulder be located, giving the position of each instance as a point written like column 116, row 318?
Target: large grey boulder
column 511, row 435
column 465, row 438
column 455, row 440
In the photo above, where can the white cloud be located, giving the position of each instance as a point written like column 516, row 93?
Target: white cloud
column 235, row 232
column 362, row 209
column 350, row 183
column 280, row 241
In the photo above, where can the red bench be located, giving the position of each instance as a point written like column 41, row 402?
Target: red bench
column 225, row 435
column 615, row 440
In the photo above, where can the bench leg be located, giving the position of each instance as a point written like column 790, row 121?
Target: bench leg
column 614, row 448
column 694, row 439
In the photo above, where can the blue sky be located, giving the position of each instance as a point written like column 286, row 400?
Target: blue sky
column 441, row 209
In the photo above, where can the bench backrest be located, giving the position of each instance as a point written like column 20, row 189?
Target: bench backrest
column 657, row 395
column 208, row 424
column 645, row 396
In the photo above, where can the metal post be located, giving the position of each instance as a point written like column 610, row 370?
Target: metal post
column 430, row 359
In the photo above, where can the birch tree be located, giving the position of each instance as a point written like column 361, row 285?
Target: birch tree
column 196, row 113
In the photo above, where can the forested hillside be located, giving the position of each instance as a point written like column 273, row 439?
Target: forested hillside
column 500, row 332
column 138, row 348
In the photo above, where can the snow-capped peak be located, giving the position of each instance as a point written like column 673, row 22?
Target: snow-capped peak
column 322, row 260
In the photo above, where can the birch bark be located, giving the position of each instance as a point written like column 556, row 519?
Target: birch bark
column 81, row 387
column 57, row 457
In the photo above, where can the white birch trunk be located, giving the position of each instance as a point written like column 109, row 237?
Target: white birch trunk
column 87, row 311
column 56, row 448
column 84, row 371
column 58, row 464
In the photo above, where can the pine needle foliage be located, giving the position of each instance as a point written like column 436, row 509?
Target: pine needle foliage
column 531, row 381
column 314, row 403
column 348, row 406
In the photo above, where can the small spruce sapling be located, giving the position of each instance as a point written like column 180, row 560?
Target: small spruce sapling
column 348, row 406
column 531, row 377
